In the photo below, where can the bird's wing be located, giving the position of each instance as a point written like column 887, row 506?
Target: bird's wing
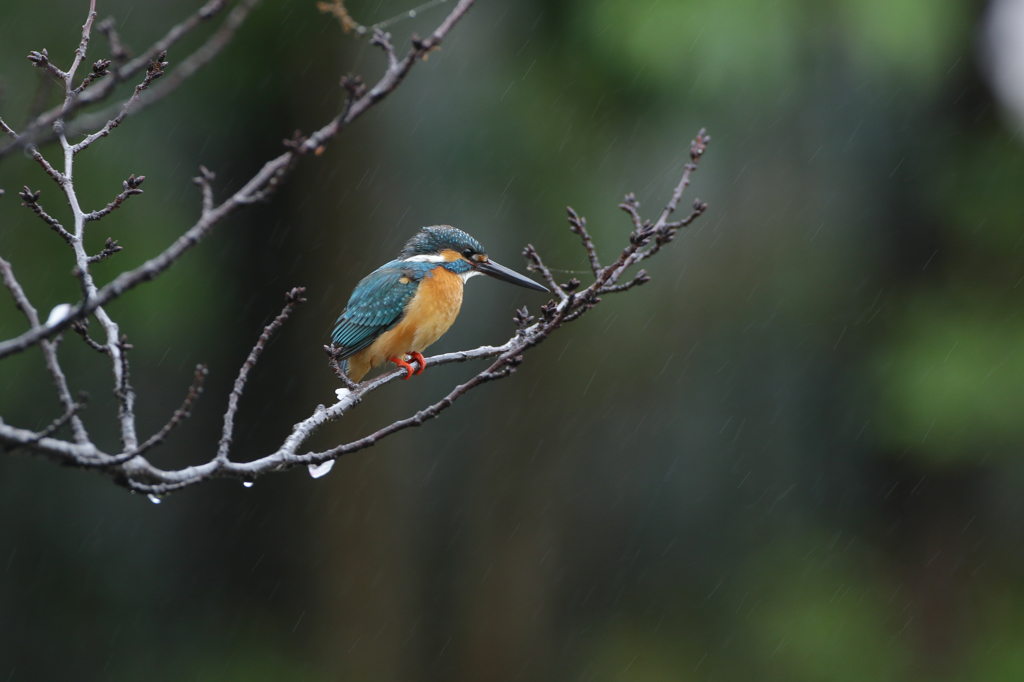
column 377, row 304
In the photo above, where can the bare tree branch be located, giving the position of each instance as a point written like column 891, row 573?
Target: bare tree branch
column 203, row 180
column 697, row 147
column 83, row 47
column 116, row 348
column 81, row 327
column 61, row 420
column 99, row 69
column 333, row 352
column 185, row 70
column 31, row 200
column 57, row 176
column 579, row 226
column 179, row 415
column 123, row 390
column 130, row 187
column 534, row 262
column 698, row 209
column 293, row 298
column 108, row 27
column 49, row 352
column 641, row 278
column 383, row 40
column 109, row 249
column 42, row 60
column 7, row 129
column 39, row 130
column 155, row 70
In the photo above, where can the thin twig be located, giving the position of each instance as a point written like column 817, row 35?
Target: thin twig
column 99, row 69
column 632, row 207
column 155, row 70
column 83, row 47
column 31, row 200
column 49, row 349
column 108, row 27
column 641, row 278
column 204, row 180
column 333, row 353
column 698, row 208
column 81, row 327
column 534, row 262
column 39, row 130
column 7, row 129
column 383, row 40
column 109, row 249
column 57, row 176
column 130, row 187
column 185, row 70
column 42, row 60
column 578, row 225
column 123, row 390
column 697, row 147
column 292, row 298
column 61, row 420
column 179, row 415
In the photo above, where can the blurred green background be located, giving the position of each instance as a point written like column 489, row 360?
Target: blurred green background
column 793, row 456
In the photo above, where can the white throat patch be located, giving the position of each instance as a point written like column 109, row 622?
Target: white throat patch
column 467, row 274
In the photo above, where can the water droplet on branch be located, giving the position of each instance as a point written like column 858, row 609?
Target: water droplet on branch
column 319, row 470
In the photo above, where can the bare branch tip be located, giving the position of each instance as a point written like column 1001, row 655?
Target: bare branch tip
column 81, row 327
column 157, row 66
column 109, row 249
column 297, row 143
column 523, row 319
column 699, row 144
column 99, row 69
column 354, row 85
column 334, row 354
column 108, row 27
column 42, row 60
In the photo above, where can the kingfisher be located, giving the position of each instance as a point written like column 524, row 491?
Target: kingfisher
column 407, row 304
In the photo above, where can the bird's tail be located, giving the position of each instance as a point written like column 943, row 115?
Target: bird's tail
column 356, row 367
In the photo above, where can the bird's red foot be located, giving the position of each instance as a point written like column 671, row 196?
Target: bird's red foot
column 418, row 357
column 404, row 365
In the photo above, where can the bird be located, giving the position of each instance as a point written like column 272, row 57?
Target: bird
column 409, row 303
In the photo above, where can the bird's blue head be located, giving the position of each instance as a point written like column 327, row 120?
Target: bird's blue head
column 435, row 240
column 456, row 251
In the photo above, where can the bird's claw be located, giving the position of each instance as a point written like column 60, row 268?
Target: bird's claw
column 419, row 359
column 404, row 365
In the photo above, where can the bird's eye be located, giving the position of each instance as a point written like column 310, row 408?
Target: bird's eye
column 467, row 254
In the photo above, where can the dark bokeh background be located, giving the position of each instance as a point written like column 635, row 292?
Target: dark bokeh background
column 795, row 455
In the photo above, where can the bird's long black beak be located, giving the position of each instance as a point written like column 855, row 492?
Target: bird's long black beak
column 489, row 267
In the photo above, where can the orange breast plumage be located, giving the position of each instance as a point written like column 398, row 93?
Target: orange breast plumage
column 433, row 309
